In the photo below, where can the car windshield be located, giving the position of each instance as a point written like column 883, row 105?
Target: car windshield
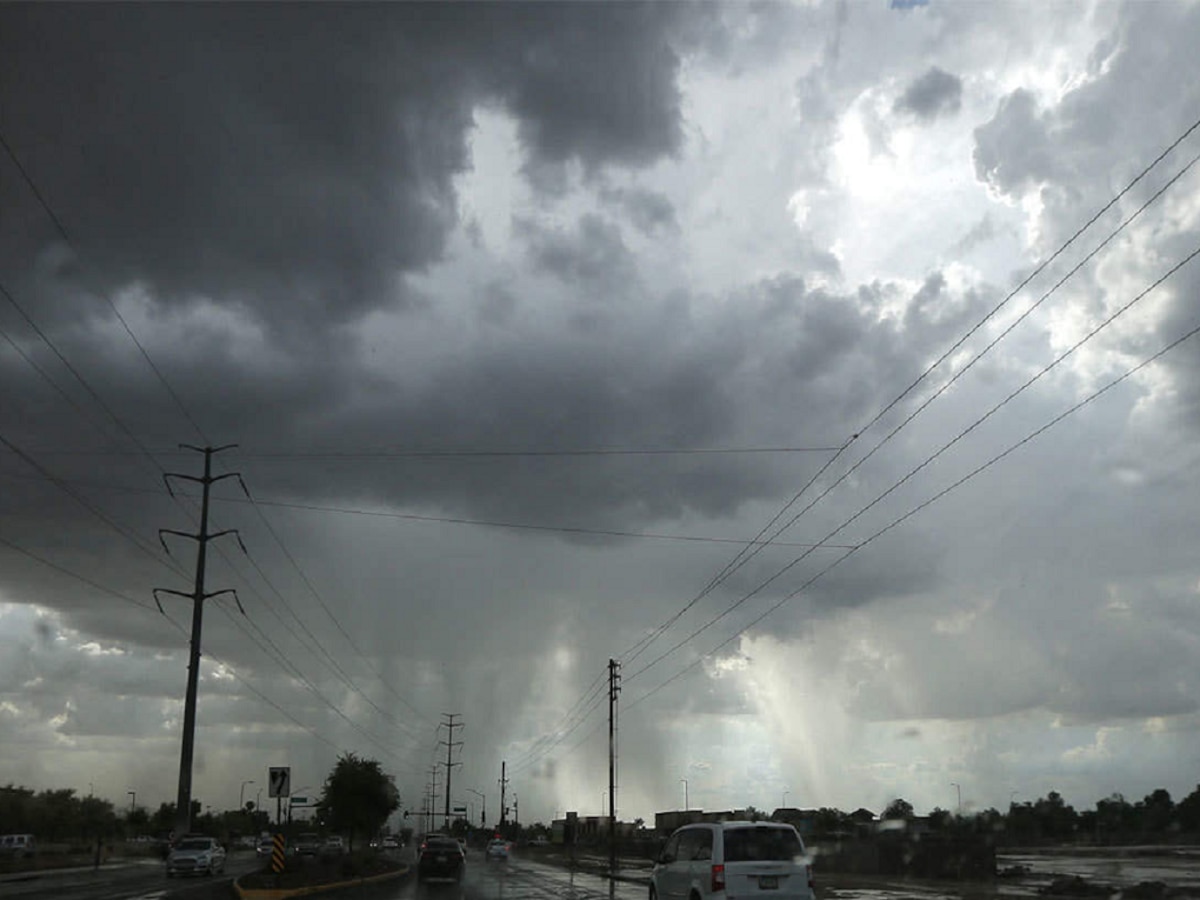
column 803, row 393
column 760, row 844
column 195, row 845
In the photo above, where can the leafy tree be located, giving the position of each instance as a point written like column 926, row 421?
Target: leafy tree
column 16, row 808
column 357, row 797
column 137, row 820
column 1055, row 818
column 1157, row 811
column 939, row 819
column 1187, row 813
column 898, row 809
column 1114, row 816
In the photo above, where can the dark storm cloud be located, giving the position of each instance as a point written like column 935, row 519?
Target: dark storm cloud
column 1077, row 151
column 298, row 160
column 933, row 94
column 593, row 259
column 648, row 210
column 1013, row 150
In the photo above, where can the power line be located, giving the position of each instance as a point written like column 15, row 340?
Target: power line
column 743, row 556
column 144, row 453
column 83, row 579
column 410, row 453
column 597, row 703
column 455, row 520
column 58, row 225
column 928, row 460
column 328, row 612
column 951, row 487
column 590, row 699
column 90, row 507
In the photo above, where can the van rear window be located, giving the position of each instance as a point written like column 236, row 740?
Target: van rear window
column 762, row 844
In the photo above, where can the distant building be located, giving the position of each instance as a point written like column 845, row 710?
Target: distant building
column 804, row 820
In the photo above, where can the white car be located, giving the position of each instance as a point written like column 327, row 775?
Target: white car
column 733, row 859
column 497, row 849
column 196, row 856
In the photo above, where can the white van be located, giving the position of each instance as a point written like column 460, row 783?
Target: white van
column 733, row 860
column 17, row 845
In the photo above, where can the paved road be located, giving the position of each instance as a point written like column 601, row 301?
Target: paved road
column 139, row 880
column 517, row 879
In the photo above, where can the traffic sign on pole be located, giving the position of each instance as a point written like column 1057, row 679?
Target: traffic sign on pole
column 280, row 781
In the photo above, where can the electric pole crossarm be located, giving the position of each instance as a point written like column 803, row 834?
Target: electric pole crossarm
column 199, row 537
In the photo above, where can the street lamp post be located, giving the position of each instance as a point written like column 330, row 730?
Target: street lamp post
column 258, row 800
column 685, row 794
column 242, row 795
column 958, row 791
column 132, row 800
column 784, row 803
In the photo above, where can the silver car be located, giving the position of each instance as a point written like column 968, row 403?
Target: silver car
column 196, row 856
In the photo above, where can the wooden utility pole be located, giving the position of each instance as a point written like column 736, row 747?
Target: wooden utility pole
column 614, row 688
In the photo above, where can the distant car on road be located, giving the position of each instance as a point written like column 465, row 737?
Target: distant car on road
column 391, row 842
column 739, row 859
column 264, row 847
column 196, row 856
column 440, row 856
column 308, row 844
column 20, row 845
column 333, row 846
column 496, row 849
column 540, row 841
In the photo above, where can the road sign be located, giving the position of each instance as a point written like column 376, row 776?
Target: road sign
column 280, row 781
column 299, row 801
column 460, row 809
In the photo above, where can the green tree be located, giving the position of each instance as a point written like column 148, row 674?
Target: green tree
column 939, row 819
column 137, row 821
column 357, row 797
column 1187, row 812
column 1157, row 811
column 898, row 809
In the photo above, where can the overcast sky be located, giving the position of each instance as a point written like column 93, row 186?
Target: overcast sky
column 500, row 235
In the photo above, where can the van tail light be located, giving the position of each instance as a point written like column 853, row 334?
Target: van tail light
column 718, row 878
column 812, row 885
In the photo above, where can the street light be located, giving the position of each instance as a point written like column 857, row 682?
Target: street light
column 258, row 801
column 958, row 790
column 685, row 794
column 242, row 794
column 132, row 800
